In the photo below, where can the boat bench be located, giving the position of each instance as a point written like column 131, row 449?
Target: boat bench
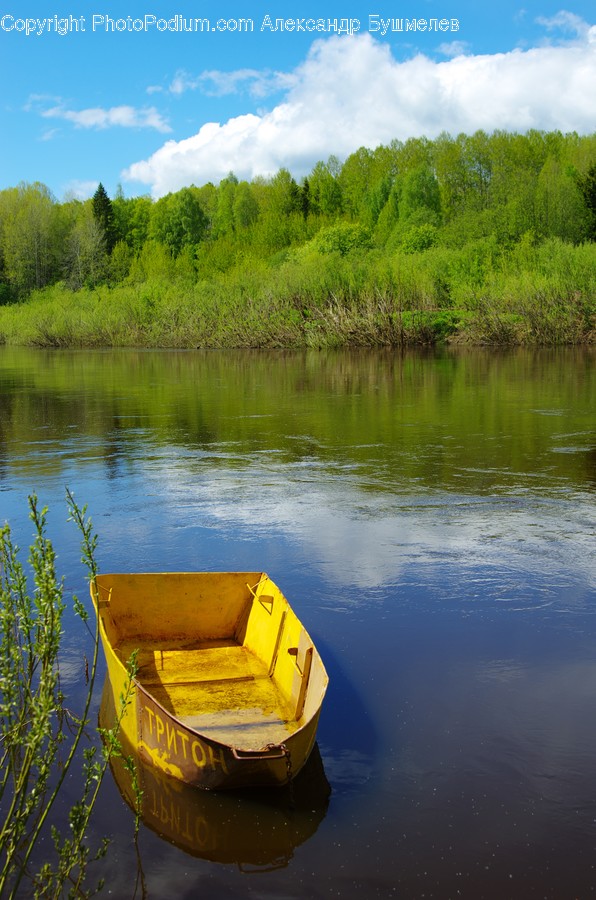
column 219, row 688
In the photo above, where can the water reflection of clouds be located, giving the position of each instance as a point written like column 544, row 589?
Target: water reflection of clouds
column 362, row 538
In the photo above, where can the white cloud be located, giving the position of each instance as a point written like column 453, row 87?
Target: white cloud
column 116, row 116
column 565, row 21
column 217, row 83
column 35, row 100
column 453, row 48
column 50, row 134
column 351, row 92
column 80, row 190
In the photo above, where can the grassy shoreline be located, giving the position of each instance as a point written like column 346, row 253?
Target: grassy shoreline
column 530, row 295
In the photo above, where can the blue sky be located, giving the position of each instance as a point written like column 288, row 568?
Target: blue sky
column 153, row 109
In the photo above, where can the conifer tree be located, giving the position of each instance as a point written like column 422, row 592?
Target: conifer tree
column 103, row 213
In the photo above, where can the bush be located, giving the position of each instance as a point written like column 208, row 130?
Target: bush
column 35, row 725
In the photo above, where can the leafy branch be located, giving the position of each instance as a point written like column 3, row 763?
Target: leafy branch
column 34, row 722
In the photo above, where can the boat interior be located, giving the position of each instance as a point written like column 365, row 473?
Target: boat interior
column 223, row 653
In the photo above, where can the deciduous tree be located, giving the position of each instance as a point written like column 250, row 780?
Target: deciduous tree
column 178, row 220
column 31, row 236
column 587, row 186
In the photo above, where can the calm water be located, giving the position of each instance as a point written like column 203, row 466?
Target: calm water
column 431, row 518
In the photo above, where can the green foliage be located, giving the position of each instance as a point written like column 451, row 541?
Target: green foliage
column 120, row 262
column 32, row 237
column 324, row 189
column 282, row 197
column 178, row 220
column 341, row 239
column 417, row 238
column 587, row 186
column 39, row 737
column 224, row 216
column 132, row 217
column 154, row 261
column 560, row 208
column 103, row 214
column 444, row 223
column 419, row 191
column 86, row 255
column 245, row 209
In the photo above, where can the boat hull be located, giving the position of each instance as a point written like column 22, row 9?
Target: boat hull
column 202, row 707
column 247, row 828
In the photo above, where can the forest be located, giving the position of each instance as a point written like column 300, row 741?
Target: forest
column 482, row 238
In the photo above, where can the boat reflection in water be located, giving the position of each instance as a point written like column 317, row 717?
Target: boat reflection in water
column 250, row 827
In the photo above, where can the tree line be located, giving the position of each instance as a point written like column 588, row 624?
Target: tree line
column 407, row 196
column 496, row 226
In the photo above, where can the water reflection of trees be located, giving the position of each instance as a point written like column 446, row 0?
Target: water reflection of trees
column 428, row 415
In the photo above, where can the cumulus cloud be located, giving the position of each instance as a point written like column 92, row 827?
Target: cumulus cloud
column 351, row 91
column 116, row 116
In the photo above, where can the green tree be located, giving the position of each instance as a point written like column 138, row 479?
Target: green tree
column 355, row 180
column 86, row 255
column 103, row 213
column 178, row 220
column 226, row 194
column 450, row 168
column 283, row 195
column 281, row 221
column 207, row 197
column 479, row 165
column 131, row 219
column 245, row 208
column 324, row 189
column 560, row 207
column 305, row 202
column 31, row 238
column 120, row 262
column 420, row 196
column 138, row 222
column 377, row 200
column 341, row 238
column 388, row 216
column 154, row 261
column 363, row 172
column 417, row 238
column 587, row 186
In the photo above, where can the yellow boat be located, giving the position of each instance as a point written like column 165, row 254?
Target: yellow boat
column 251, row 828
column 229, row 685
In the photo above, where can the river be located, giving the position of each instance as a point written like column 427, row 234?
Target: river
column 430, row 515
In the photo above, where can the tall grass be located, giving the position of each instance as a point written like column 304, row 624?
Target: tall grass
column 533, row 293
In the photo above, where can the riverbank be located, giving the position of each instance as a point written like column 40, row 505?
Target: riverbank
column 529, row 295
